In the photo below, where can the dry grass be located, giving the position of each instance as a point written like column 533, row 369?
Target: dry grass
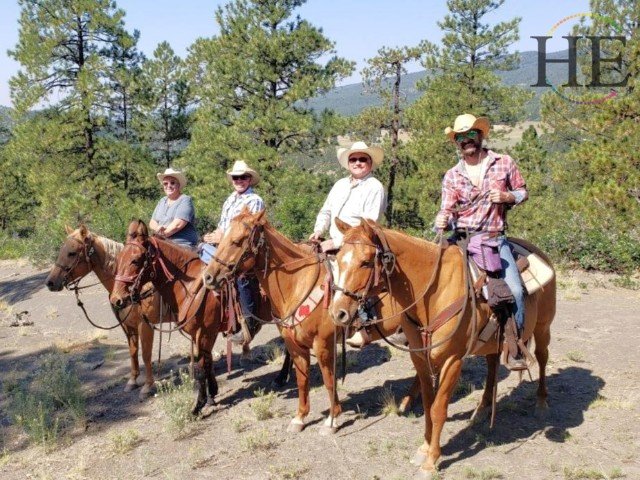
column 388, row 404
column 124, row 441
column 612, row 403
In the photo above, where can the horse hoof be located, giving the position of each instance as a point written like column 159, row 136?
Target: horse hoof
column 541, row 411
column 424, row 474
column 146, row 392
column 207, row 411
column 130, row 386
column 295, row 427
column 326, row 431
column 479, row 414
column 419, row 458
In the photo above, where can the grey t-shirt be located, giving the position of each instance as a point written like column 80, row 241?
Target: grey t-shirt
column 183, row 209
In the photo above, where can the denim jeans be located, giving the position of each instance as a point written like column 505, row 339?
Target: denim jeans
column 511, row 276
column 246, row 286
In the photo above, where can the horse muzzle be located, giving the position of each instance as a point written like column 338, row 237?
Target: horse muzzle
column 212, row 282
column 54, row 285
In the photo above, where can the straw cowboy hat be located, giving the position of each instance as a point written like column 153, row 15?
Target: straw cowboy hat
column 241, row 168
column 376, row 154
column 466, row 122
column 177, row 174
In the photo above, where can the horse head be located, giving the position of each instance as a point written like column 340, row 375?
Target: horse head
column 74, row 259
column 135, row 265
column 237, row 250
column 359, row 263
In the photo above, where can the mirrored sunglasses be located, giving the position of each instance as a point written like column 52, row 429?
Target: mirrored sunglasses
column 166, row 183
column 471, row 134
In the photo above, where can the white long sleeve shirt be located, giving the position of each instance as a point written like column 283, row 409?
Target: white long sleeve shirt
column 350, row 202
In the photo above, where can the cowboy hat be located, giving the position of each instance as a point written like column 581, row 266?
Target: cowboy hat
column 466, row 122
column 376, row 154
column 177, row 174
column 241, row 168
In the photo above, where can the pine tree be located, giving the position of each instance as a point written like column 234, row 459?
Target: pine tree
column 461, row 79
column 253, row 81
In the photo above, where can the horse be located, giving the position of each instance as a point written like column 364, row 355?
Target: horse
column 443, row 318
column 175, row 273
column 83, row 252
column 288, row 273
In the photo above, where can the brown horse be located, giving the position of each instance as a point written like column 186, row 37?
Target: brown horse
column 288, row 272
column 430, row 283
column 83, row 252
column 175, row 273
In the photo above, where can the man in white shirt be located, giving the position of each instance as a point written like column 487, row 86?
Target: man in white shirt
column 360, row 195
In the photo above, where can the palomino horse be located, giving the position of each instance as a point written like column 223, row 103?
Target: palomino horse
column 83, row 252
column 175, row 273
column 288, row 273
column 430, row 284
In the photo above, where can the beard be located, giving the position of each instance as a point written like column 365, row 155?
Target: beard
column 470, row 147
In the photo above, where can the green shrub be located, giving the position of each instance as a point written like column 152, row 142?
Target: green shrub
column 49, row 402
column 176, row 401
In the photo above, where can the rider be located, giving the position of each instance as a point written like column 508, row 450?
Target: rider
column 243, row 179
column 352, row 198
column 483, row 185
column 174, row 217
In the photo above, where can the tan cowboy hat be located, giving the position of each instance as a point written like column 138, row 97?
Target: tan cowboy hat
column 177, row 174
column 376, row 154
column 466, row 122
column 241, row 168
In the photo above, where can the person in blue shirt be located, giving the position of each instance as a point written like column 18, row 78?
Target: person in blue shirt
column 174, row 217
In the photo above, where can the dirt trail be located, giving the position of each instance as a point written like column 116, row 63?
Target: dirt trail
column 591, row 430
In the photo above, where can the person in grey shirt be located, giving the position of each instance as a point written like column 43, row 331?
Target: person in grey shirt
column 174, row 217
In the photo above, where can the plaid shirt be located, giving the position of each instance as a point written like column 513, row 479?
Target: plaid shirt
column 475, row 211
column 234, row 204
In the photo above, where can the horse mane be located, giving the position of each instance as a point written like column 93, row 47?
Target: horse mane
column 291, row 248
column 111, row 251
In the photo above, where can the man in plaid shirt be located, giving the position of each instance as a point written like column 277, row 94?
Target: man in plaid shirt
column 476, row 194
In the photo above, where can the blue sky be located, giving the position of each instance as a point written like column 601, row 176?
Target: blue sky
column 358, row 27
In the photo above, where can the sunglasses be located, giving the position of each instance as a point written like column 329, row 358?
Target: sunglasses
column 240, row 177
column 169, row 182
column 471, row 134
column 358, row 159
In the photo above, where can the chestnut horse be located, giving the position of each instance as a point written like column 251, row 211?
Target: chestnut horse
column 288, row 272
column 175, row 273
column 430, row 283
column 83, row 252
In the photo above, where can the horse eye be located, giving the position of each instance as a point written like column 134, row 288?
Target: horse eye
column 237, row 243
column 366, row 264
column 72, row 254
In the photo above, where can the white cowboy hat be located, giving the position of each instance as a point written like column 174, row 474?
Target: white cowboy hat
column 376, row 154
column 177, row 174
column 241, row 168
column 466, row 122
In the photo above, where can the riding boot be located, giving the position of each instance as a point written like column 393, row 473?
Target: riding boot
column 518, row 362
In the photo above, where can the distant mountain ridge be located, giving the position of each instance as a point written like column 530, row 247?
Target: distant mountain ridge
column 351, row 99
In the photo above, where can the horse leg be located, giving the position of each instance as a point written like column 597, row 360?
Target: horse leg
column 428, row 393
column 542, row 335
column 132, row 341
column 448, row 378
column 200, row 376
column 486, row 402
column 283, row 377
column 325, row 350
column 146, row 339
column 300, row 358
column 408, row 399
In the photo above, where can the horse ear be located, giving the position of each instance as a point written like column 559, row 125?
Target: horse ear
column 83, row 230
column 260, row 215
column 368, row 226
column 342, row 226
column 245, row 209
column 142, row 228
column 68, row 229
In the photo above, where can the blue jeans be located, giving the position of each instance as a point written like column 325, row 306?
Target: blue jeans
column 511, row 276
column 246, row 286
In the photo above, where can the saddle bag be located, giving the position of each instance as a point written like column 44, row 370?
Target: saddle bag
column 498, row 293
column 485, row 251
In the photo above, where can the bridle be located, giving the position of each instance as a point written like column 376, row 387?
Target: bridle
column 152, row 259
column 251, row 247
column 87, row 251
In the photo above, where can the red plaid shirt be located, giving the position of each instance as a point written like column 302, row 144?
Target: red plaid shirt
column 475, row 211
